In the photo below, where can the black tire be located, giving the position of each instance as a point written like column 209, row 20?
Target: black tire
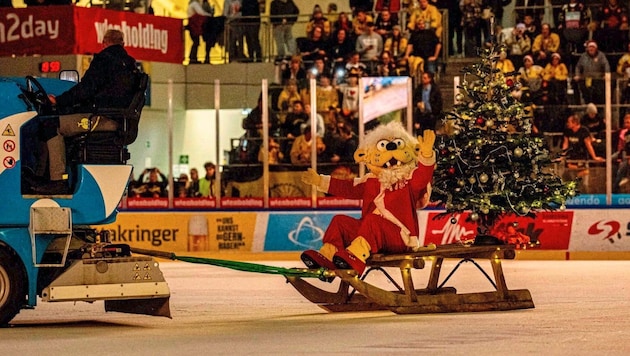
column 12, row 286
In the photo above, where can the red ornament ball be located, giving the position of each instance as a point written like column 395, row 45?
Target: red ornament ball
column 480, row 120
column 451, row 170
column 509, row 82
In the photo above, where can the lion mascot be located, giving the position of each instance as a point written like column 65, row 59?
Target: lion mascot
column 401, row 168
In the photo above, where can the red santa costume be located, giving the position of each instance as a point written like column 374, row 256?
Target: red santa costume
column 399, row 183
column 389, row 221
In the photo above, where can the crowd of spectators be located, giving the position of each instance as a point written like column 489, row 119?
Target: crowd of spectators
column 152, row 183
column 549, row 59
column 559, row 56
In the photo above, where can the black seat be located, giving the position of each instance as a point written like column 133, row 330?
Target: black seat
column 110, row 147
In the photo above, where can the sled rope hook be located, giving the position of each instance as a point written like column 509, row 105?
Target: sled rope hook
column 321, row 273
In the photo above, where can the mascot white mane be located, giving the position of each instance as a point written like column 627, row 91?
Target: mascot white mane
column 390, row 153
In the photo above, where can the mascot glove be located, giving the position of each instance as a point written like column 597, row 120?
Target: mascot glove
column 426, row 142
column 311, row 177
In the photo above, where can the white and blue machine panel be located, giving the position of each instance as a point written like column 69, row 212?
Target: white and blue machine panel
column 98, row 188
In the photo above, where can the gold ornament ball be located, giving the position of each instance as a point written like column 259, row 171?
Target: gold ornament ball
column 518, row 152
column 483, row 178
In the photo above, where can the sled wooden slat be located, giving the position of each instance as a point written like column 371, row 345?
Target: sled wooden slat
column 355, row 294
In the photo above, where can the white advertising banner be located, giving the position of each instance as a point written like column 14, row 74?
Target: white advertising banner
column 382, row 95
column 600, row 230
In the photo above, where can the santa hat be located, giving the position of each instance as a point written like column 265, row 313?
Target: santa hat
column 591, row 43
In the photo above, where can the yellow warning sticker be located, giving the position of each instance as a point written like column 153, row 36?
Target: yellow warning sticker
column 8, row 131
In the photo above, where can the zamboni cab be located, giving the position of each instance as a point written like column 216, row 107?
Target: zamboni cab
column 50, row 246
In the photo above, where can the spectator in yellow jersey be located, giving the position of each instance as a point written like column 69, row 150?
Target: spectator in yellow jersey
column 545, row 44
column 429, row 14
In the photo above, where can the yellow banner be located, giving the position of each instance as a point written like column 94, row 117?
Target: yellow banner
column 194, row 231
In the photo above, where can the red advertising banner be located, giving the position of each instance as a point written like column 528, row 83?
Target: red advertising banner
column 36, row 30
column 147, row 37
column 552, row 230
column 57, row 30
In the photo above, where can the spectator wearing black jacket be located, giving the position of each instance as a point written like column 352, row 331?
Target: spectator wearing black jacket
column 340, row 49
column 109, row 82
column 361, row 5
column 428, row 100
column 284, row 14
column 251, row 28
column 315, row 46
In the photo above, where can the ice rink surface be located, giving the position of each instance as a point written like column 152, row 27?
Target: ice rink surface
column 582, row 308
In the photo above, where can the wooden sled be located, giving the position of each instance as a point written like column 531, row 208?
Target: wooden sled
column 355, row 294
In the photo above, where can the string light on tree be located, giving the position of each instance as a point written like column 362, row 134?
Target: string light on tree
column 492, row 164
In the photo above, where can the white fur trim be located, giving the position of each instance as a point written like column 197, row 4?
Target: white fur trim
column 426, row 198
column 324, row 183
column 379, row 201
column 364, row 179
column 414, row 243
column 427, row 161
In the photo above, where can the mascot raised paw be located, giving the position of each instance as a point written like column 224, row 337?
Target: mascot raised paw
column 399, row 182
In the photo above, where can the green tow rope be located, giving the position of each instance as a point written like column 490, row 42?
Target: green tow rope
column 321, row 273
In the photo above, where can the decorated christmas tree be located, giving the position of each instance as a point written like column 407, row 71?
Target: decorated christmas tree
column 489, row 162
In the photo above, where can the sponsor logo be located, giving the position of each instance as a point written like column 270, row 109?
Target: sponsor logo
column 550, row 230
column 452, row 230
column 606, row 229
column 306, row 234
column 16, row 28
column 140, row 35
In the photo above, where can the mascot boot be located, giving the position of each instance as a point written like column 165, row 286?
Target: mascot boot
column 322, row 258
column 354, row 256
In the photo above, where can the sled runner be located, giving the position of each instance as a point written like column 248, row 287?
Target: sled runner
column 355, row 294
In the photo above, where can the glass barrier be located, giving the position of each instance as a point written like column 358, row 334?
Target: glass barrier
column 247, row 178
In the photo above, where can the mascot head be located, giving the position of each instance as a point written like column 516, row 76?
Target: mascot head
column 389, row 152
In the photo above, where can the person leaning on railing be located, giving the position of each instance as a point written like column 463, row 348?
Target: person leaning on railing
column 251, row 29
column 284, row 14
column 578, row 146
column 196, row 19
column 622, row 155
column 589, row 74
